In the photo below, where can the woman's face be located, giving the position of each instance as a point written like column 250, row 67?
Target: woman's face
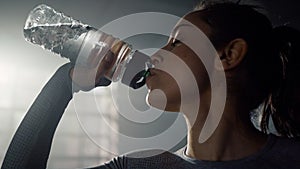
column 179, row 76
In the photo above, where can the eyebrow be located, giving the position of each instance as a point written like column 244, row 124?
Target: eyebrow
column 177, row 27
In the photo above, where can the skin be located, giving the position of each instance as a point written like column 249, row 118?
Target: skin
column 235, row 137
column 87, row 77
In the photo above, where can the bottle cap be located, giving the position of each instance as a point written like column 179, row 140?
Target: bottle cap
column 135, row 70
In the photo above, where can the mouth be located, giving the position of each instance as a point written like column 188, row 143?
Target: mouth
column 149, row 81
column 152, row 72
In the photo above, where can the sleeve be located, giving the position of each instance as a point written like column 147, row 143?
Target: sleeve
column 30, row 146
column 119, row 162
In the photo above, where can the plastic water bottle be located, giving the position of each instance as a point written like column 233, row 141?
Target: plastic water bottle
column 83, row 44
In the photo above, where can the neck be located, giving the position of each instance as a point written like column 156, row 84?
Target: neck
column 234, row 137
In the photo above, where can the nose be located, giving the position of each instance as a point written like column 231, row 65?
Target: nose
column 156, row 58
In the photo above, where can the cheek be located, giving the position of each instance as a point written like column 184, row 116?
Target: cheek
column 196, row 75
column 200, row 74
column 174, row 91
column 166, row 96
column 202, row 78
column 185, row 76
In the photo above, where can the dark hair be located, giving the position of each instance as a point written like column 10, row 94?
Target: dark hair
column 271, row 60
column 282, row 105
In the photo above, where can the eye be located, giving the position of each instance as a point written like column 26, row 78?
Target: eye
column 175, row 43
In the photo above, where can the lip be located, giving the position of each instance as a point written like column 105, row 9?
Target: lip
column 153, row 73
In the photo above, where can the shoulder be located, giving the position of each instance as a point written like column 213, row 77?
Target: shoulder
column 153, row 155
column 153, row 159
column 285, row 150
column 146, row 159
column 287, row 145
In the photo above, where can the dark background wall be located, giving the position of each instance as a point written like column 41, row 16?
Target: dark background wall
column 18, row 55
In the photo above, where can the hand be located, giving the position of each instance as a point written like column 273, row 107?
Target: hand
column 87, row 78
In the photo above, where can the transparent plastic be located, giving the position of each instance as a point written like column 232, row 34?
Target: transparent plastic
column 81, row 43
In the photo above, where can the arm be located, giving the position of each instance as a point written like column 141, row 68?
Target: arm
column 116, row 163
column 31, row 143
column 30, row 146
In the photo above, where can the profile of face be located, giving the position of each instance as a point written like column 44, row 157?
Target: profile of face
column 180, row 76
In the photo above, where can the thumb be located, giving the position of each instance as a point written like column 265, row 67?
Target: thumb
column 106, row 66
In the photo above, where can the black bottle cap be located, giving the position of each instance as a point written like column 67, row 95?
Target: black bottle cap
column 135, row 70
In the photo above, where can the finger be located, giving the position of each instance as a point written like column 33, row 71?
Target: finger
column 117, row 47
column 99, row 51
column 106, row 44
column 106, row 64
column 109, row 60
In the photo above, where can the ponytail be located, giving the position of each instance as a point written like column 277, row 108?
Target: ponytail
column 283, row 104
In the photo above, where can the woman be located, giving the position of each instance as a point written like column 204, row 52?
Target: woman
column 259, row 64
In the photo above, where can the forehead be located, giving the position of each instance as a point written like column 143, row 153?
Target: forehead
column 193, row 19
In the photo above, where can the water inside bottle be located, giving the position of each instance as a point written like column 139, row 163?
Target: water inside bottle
column 84, row 45
column 51, row 30
column 53, row 37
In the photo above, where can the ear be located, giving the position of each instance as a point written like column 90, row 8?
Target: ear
column 234, row 53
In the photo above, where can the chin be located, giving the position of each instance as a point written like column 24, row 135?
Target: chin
column 157, row 98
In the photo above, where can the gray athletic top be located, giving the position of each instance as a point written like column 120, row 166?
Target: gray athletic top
column 30, row 146
column 278, row 153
